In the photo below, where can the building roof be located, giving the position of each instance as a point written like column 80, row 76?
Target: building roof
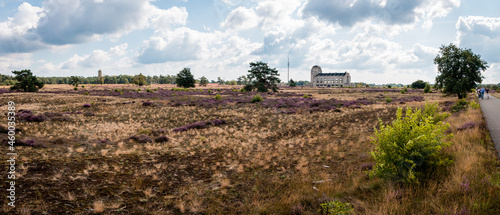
column 332, row 74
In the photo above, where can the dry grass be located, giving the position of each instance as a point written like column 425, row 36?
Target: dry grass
column 261, row 162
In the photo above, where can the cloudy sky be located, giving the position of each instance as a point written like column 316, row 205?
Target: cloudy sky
column 376, row 41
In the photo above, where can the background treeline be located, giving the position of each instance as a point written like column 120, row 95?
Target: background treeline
column 7, row 80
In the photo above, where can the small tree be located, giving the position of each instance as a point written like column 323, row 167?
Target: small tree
column 262, row 77
column 185, row 78
column 419, row 84
column 26, row 81
column 73, row 80
column 139, row 80
column 292, row 83
column 427, row 88
column 460, row 70
column 410, row 149
column 203, row 81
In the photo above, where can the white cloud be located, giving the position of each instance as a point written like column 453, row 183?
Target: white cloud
column 481, row 34
column 60, row 22
column 14, row 33
column 183, row 44
column 492, row 74
column 165, row 19
column 98, row 59
column 119, row 50
column 241, row 19
column 390, row 12
column 15, row 61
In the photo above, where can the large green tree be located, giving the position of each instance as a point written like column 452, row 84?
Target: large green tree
column 26, row 81
column 262, row 77
column 460, row 70
column 139, row 80
column 185, row 78
column 419, row 84
column 74, row 80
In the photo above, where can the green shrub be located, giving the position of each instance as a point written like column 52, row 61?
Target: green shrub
column 427, row 88
column 83, row 86
column 86, row 93
column 138, row 90
column 149, row 91
column 404, row 90
column 242, row 90
column 257, row 98
column 75, row 88
column 409, row 149
column 460, row 105
column 432, row 110
column 388, row 99
column 248, row 87
column 218, row 97
column 474, row 105
column 336, row 207
column 305, row 96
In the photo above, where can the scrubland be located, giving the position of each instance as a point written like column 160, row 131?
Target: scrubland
column 116, row 151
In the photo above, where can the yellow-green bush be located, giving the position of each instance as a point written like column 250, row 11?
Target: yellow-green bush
column 409, row 149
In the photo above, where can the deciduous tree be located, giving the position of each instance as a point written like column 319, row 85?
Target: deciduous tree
column 460, row 70
column 203, row 81
column 139, row 80
column 419, row 84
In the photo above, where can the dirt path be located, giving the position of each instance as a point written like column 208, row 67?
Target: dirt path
column 491, row 110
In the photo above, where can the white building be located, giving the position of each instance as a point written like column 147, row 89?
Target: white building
column 320, row 79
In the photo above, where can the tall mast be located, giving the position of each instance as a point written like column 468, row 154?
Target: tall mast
column 288, row 68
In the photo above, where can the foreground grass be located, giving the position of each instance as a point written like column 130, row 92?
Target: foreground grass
column 261, row 162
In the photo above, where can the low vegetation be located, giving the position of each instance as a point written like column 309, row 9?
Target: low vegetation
column 298, row 151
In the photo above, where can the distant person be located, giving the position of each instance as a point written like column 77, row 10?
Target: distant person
column 488, row 92
column 482, row 92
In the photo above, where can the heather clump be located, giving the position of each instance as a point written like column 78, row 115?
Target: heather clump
column 161, row 139
column 467, row 126
column 200, row 125
column 89, row 113
column 57, row 116
column 142, row 138
column 86, row 105
column 28, row 116
column 217, row 122
column 147, row 103
column 31, row 142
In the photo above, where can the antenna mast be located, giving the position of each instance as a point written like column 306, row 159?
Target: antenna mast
column 288, row 68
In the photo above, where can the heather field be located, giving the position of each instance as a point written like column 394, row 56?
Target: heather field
column 123, row 149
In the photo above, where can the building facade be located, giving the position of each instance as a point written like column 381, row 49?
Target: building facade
column 320, row 79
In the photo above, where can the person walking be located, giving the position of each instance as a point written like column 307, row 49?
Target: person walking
column 488, row 92
column 482, row 92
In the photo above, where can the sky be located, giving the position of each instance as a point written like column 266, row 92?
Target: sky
column 376, row 41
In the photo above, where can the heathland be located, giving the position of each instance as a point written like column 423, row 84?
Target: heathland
column 123, row 149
